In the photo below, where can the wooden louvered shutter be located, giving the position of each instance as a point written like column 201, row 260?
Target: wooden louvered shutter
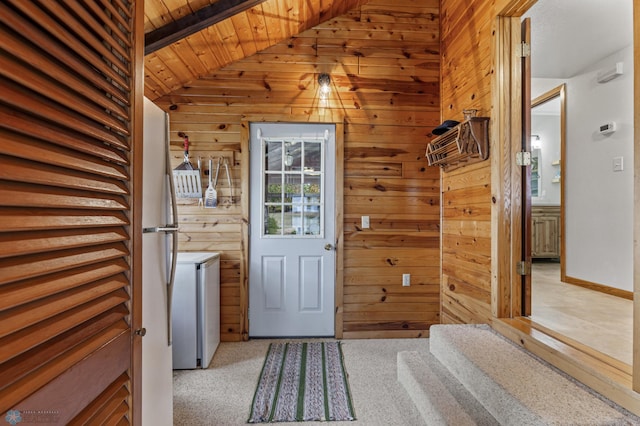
column 68, row 70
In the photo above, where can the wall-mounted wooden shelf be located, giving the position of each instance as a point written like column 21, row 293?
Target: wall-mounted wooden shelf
column 466, row 143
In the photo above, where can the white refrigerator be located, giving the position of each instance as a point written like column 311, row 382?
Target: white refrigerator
column 159, row 248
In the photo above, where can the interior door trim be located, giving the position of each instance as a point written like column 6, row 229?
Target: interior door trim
column 525, row 296
column 559, row 92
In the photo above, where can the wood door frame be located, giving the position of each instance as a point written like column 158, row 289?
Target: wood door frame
column 136, row 222
column 636, row 218
column 338, row 121
column 506, row 209
column 506, row 205
column 525, row 138
column 559, row 92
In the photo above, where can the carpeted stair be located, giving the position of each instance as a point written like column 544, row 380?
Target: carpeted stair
column 437, row 395
column 474, row 376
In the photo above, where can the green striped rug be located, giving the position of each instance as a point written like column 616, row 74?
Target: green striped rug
column 302, row 382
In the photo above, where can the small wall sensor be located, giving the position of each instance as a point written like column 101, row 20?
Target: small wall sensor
column 607, row 128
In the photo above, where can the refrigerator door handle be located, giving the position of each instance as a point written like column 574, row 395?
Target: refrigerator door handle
column 174, row 233
column 172, row 274
column 167, row 228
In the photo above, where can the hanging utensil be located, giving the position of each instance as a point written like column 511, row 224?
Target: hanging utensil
column 186, row 178
column 226, row 166
column 211, row 195
column 225, row 162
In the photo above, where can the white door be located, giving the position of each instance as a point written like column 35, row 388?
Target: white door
column 292, row 223
column 157, row 374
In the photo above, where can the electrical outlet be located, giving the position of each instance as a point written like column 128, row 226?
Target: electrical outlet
column 406, row 280
column 365, row 222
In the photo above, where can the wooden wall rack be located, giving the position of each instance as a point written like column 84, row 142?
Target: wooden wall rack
column 466, row 143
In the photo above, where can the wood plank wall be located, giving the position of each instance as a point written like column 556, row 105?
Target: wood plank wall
column 467, row 38
column 384, row 62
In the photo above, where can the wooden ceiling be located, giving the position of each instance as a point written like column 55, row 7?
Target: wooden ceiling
column 232, row 39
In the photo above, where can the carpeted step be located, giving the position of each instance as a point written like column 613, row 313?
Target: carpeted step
column 437, row 395
column 513, row 386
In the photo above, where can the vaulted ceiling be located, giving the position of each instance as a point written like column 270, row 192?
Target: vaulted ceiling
column 254, row 25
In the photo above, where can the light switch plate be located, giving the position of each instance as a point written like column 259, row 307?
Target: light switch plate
column 618, row 164
column 365, row 222
column 406, row 280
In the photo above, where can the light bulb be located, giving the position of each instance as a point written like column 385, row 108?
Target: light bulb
column 324, row 80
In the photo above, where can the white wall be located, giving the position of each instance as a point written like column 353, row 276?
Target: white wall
column 599, row 201
column 540, row 86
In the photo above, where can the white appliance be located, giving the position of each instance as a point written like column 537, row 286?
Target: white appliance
column 196, row 307
column 159, row 244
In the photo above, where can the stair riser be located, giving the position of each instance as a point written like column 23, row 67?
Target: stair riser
column 431, row 398
column 493, row 397
column 513, row 386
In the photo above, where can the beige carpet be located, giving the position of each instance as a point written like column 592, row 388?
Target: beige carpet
column 222, row 394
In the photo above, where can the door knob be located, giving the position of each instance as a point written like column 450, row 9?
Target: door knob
column 328, row 247
column 141, row 332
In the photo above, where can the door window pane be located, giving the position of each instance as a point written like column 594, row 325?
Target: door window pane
column 313, row 156
column 313, row 186
column 292, row 221
column 273, row 188
column 273, row 155
column 273, row 220
column 311, row 222
column 293, row 187
column 293, row 155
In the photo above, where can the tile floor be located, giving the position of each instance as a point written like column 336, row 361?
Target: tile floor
column 599, row 320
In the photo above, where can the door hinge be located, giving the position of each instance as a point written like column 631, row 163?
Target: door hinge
column 524, row 50
column 523, row 268
column 523, row 158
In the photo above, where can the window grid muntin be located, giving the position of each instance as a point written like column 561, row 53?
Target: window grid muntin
column 267, row 170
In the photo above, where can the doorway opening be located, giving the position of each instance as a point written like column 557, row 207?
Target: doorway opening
column 577, row 296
